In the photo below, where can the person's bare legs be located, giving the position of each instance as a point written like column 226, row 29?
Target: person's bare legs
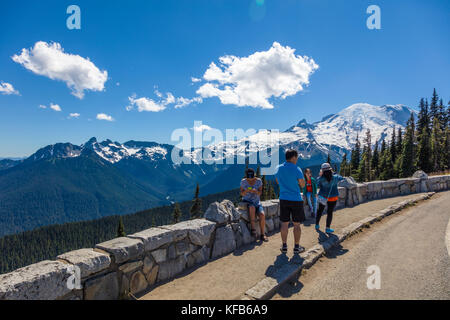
column 262, row 224
column 251, row 211
column 297, row 232
column 284, row 231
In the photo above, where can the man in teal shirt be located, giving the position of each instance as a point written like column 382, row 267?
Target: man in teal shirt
column 290, row 179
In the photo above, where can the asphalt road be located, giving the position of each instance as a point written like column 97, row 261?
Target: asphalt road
column 411, row 249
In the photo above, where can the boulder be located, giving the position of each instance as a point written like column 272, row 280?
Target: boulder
column 152, row 275
column 88, row 260
column 154, row 238
column 138, row 283
column 245, row 232
column 45, row 280
column 270, row 208
column 420, row 174
column 159, row 255
column 201, row 255
column 123, row 248
column 224, row 242
column 102, row 288
column 131, row 266
column 217, row 213
column 148, row 265
column 269, row 225
column 231, row 209
column 171, row 268
column 198, row 231
column 348, row 183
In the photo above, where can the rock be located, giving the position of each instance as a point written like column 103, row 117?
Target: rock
column 246, row 236
column 45, row 280
column 243, row 206
column 217, row 213
column 201, row 255
column 123, row 248
column 102, row 288
column 270, row 208
column 182, row 248
column 125, row 286
column 131, row 266
column 270, row 225
column 152, row 275
column 420, row 174
column 224, row 242
column 198, row 231
column 348, row 183
column 154, row 238
column 88, row 260
column 342, row 192
column 231, row 209
column 159, row 255
column 171, row 252
column 374, row 186
column 148, row 265
column 244, row 215
column 171, row 268
column 276, row 223
column 138, row 283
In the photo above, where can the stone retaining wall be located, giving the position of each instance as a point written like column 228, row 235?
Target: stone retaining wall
column 135, row 263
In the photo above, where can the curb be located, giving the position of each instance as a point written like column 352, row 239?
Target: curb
column 267, row 287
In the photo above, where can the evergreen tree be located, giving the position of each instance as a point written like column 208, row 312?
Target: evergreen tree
column 176, row 215
column 423, row 120
column 399, row 146
column 153, row 222
column 343, row 171
column 434, row 108
column 424, row 151
column 328, row 158
column 408, row 156
column 355, row 156
column 375, row 161
column 120, row 228
column 393, row 148
column 367, row 157
column 258, row 172
column 437, row 146
column 264, row 195
column 442, row 115
column 386, row 165
column 383, row 147
column 196, row 209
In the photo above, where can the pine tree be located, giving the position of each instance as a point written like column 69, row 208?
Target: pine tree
column 176, row 215
column 343, row 171
column 393, row 148
column 264, row 189
column 328, row 158
column 196, row 209
column 437, row 145
column 120, row 228
column 423, row 120
column 367, row 157
column 442, row 115
column 355, row 156
column 408, row 156
column 434, row 109
column 375, row 162
column 258, row 172
column 399, row 146
column 153, row 222
column 424, row 151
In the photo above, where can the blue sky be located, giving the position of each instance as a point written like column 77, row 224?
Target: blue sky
column 143, row 44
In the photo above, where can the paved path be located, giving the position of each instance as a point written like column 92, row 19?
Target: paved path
column 230, row 276
column 410, row 248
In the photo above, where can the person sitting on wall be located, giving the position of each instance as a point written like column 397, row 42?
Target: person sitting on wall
column 251, row 189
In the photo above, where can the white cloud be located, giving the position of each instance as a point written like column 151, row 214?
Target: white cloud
column 183, row 102
column 53, row 106
column 103, row 116
column 202, row 128
column 150, row 105
column 193, row 79
column 253, row 80
column 7, row 89
column 50, row 60
column 74, row 115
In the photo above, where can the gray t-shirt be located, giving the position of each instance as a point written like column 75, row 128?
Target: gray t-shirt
column 252, row 197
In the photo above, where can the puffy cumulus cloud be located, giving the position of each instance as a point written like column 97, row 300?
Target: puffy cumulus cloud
column 253, row 80
column 74, row 115
column 7, row 89
column 53, row 106
column 50, row 60
column 104, row 116
column 201, row 128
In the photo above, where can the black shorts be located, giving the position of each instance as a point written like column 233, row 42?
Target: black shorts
column 292, row 209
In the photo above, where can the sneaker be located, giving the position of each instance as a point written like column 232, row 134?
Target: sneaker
column 298, row 249
column 317, row 227
column 283, row 249
column 329, row 230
